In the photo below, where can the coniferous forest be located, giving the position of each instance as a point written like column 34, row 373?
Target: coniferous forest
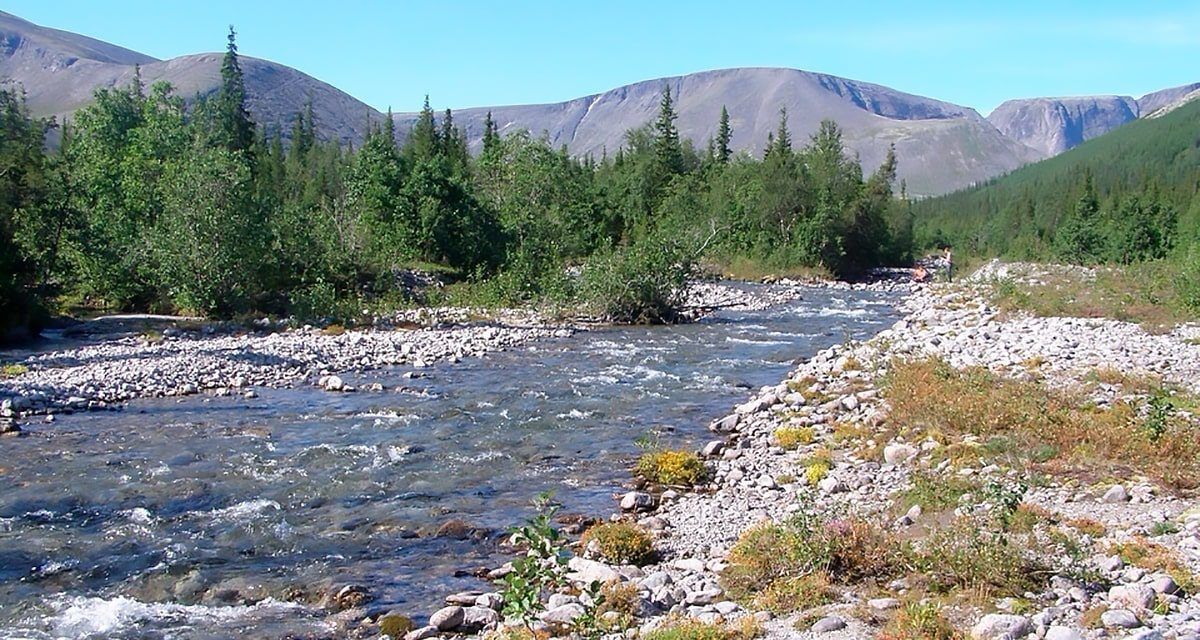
column 154, row 203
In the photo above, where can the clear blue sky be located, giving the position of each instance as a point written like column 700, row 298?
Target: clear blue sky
column 489, row 53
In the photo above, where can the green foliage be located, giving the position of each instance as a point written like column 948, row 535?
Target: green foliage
column 12, row 370
column 542, row 566
column 645, row 283
column 29, row 219
column 154, row 204
column 1124, row 197
column 845, row 550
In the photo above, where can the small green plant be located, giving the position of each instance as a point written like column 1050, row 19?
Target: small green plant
column 542, row 567
column 936, row 492
column 788, row 595
column 691, row 629
column 12, row 370
column 1164, row 527
column 682, row 468
column 619, row 607
column 620, row 543
column 792, row 437
column 1004, row 499
column 1158, row 414
column 593, row 597
column 816, row 471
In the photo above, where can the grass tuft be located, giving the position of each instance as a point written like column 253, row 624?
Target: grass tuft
column 682, row 468
column 620, row 543
column 793, row 437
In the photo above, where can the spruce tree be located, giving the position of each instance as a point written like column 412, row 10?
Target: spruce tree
column 490, row 136
column 234, row 128
column 782, row 144
column 422, row 140
column 668, row 153
column 724, row 137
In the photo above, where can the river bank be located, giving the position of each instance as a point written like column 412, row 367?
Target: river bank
column 1091, row 533
column 186, row 358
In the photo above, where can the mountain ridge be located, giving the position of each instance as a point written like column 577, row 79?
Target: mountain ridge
column 941, row 146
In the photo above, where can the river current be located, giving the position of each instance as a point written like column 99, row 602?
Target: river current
column 207, row 517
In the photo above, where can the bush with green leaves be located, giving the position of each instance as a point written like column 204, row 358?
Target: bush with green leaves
column 643, row 283
column 542, row 565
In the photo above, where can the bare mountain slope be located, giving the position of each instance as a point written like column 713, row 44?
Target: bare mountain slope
column 940, row 146
column 1053, row 125
column 1152, row 102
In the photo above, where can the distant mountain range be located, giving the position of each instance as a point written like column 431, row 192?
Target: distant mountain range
column 940, row 146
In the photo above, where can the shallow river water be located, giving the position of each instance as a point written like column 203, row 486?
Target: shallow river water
column 212, row 517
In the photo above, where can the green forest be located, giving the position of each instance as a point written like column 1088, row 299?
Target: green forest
column 1129, row 196
column 154, row 203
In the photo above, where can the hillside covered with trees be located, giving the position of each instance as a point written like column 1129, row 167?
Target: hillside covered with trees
column 1128, row 196
column 153, row 203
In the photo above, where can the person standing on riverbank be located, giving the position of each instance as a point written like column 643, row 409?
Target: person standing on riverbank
column 949, row 265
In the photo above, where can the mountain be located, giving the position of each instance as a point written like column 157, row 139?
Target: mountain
column 940, row 146
column 59, row 72
column 1053, row 125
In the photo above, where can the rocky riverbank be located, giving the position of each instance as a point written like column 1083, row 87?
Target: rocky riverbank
column 990, row 534
column 115, row 360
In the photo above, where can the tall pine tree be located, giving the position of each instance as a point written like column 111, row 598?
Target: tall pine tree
column 724, row 137
column 668, row 153
column 234, row 128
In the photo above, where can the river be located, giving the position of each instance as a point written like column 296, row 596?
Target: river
column 206, row 517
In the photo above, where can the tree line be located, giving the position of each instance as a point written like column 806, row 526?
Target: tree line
column 154, row 203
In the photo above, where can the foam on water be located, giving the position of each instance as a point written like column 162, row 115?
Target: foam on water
column 757, row 343
column 575, row 414
column 89, row 617
column 244, row 510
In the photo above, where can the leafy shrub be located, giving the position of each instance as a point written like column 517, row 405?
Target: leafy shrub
column 620, row 543
column 682, row 468
column 845, row 550
column 644, row 283
column 541, row 567
column 792, row 437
